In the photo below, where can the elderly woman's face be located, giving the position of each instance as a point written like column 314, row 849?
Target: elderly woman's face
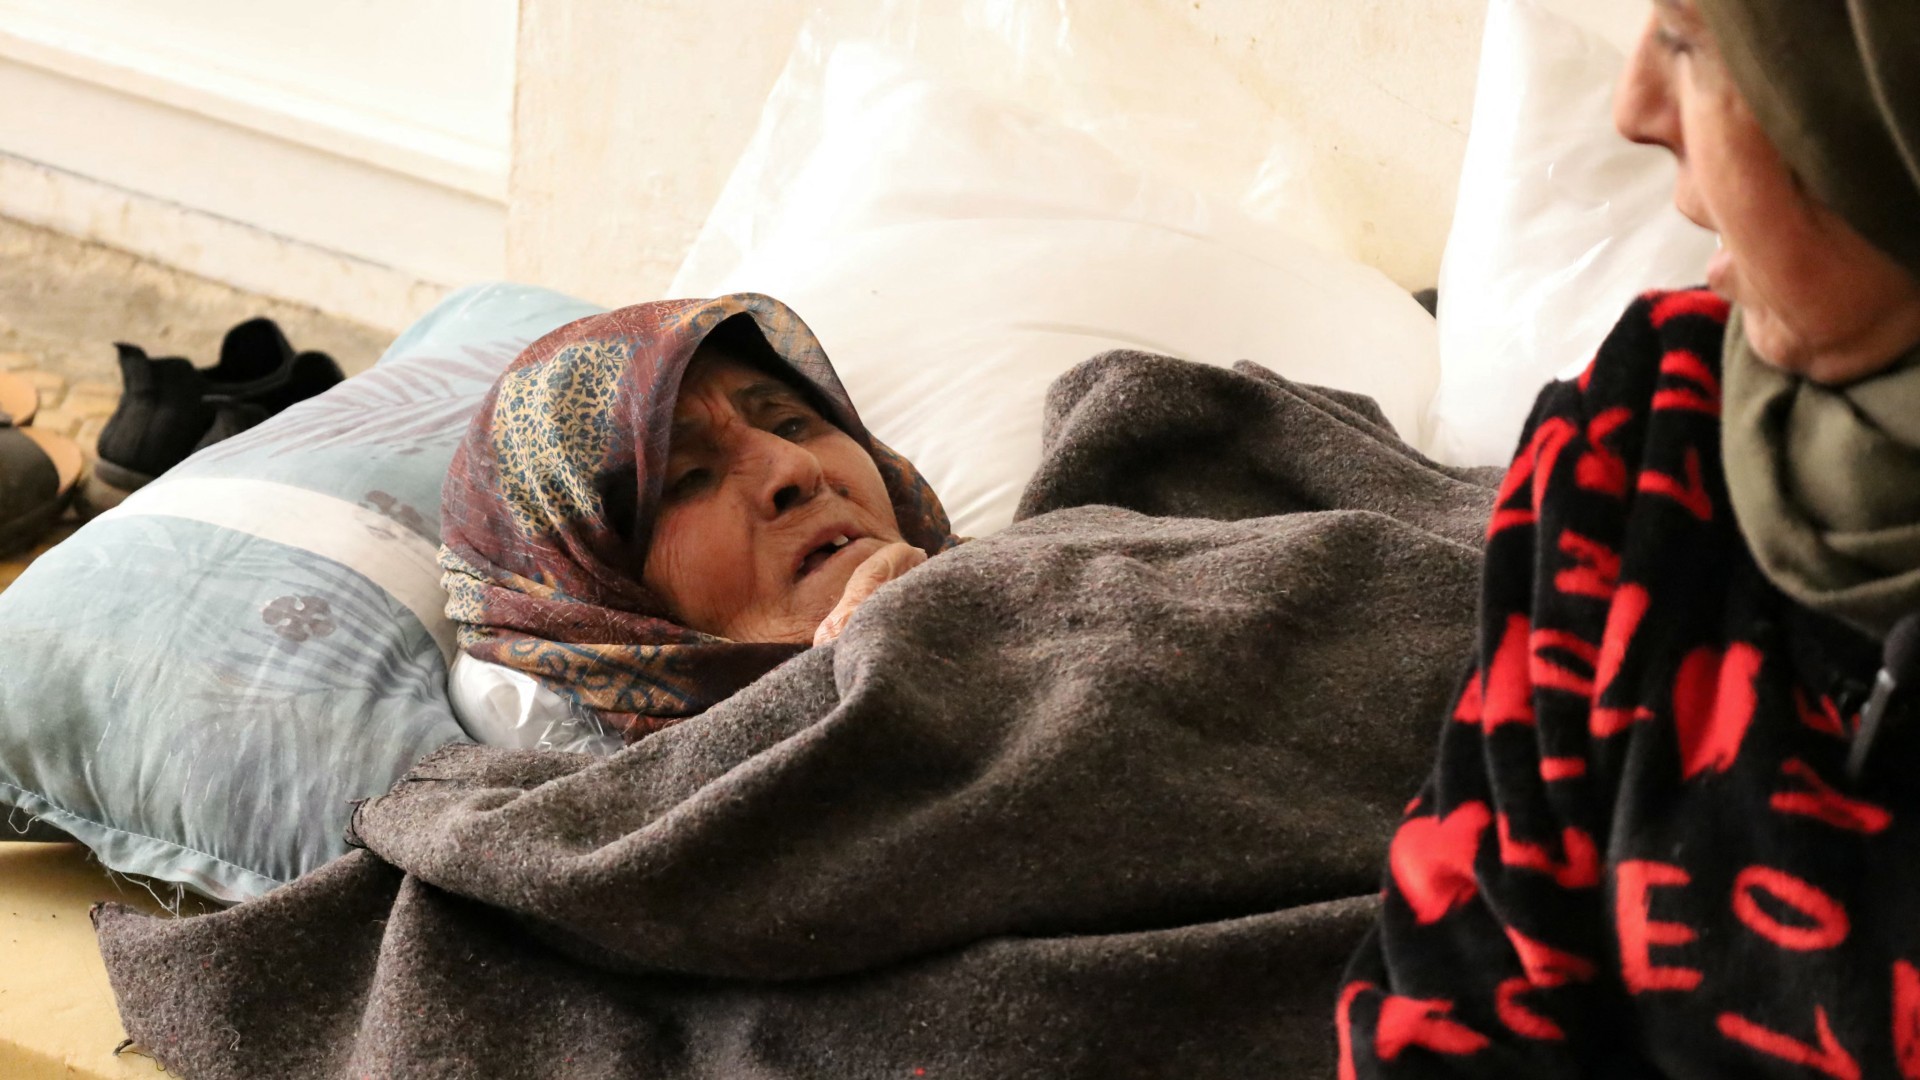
column 766, row 508
column 1817, row 298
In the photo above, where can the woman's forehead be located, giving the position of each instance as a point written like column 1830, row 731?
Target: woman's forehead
column 714, row 378
column 1685, row 10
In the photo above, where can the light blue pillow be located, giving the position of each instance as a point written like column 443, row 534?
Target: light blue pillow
column 197, row 684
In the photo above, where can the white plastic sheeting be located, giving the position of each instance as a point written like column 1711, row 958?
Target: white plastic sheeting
column 962, row 224
column 1561, row 222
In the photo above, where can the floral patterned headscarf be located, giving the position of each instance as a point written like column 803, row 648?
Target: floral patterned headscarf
column 550, row 502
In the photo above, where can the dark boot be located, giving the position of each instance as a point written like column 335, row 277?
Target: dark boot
column 163, row 414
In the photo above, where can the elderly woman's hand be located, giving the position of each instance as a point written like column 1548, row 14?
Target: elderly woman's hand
column 882, row 566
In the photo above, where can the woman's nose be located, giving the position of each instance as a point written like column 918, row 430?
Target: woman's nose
column 790, row 475
column 1644, row 109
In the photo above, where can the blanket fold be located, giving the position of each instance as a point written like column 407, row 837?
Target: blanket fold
column 1104, row 794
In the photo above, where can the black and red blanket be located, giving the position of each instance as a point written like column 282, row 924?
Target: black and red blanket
column 1640, row 853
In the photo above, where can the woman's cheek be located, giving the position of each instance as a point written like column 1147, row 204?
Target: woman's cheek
column 690, row 569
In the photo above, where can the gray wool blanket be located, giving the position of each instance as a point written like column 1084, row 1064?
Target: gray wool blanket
column 1106, row 794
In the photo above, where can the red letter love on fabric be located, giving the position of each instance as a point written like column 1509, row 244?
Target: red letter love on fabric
column 1695, row 302
column 1519, row 1019
column 1580, row 869
column 1432, row 860
column 1825, row 719
column 1420, row 1022
column 1685, row 365
column 1822, row 803
column 1555, row 769
column 1906, row 1019
column 1623, row 622
column 1343, row 1026
column 1830, row 923
column 1602, row 469
column 1831, row 1058
column 1547, row 673
column 1691, row 493
column 1634, row 880
column 1546, row 967
column 1530, row 470
column 1503, row 694
column 1595, row 570
column 1509, row 693
column 1713, row 703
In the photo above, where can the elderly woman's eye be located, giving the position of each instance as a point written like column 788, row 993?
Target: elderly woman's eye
column 791, row 428
column 687, row 483
column 1671, row 42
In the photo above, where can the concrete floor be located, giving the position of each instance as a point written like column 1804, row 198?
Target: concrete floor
column 64, row 302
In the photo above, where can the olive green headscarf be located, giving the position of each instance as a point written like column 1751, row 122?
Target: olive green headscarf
column 1836, row 86
column 1825, row 480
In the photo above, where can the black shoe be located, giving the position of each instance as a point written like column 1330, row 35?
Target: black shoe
column 310, row 374
column 258, row 367
column 230, row 418
column 162, row 415
column 255, row 359
column 171, row 408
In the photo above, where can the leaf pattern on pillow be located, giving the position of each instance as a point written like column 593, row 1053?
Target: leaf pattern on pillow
column 423, row 405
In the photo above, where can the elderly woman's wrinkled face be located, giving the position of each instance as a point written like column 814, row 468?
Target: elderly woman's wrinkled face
column 1817, row 297
column 766, row 508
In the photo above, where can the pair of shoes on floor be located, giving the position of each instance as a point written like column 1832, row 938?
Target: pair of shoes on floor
column 39, row 470
column 170, row 408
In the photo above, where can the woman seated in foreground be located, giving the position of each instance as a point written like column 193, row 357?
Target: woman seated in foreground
column 658, row 505
column 1673, row 831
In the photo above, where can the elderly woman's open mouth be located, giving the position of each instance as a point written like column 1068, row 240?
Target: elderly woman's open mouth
column 827, row 544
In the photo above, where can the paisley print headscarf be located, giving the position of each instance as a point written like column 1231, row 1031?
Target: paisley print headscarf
column 550, row 501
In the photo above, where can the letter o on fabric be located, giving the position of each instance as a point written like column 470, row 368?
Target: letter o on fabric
column 1830, row 925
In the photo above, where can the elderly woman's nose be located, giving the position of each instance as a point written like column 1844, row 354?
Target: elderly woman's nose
column 1644, row 107
column 790, row 475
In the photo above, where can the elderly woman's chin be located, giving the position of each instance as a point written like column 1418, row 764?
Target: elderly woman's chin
column 789, row 603
column 1832, row 325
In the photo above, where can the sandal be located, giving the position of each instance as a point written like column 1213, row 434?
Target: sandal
column 18, row 399
column 39, row 471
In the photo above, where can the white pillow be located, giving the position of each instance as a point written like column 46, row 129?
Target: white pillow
column 955, row 254
column 1560, row 224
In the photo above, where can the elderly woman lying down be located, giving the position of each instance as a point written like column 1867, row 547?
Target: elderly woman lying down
column 656, row 506
column 1103, row 793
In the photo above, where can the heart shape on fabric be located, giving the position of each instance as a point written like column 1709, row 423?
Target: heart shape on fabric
column 1432, row 860
column 1713, row 704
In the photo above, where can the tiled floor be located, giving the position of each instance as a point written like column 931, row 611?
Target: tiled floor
column 77, row 410
column 64, row 302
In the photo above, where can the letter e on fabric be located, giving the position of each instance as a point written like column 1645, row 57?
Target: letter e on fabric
column 1639, row 932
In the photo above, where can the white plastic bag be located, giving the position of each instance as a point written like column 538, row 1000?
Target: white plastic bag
column 956, row 250
column 1135, row 80
column 1560, row 223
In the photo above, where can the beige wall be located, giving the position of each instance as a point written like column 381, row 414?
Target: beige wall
column 629, row 116
column 607, row 192
column 351, row 156
column 362, row 157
